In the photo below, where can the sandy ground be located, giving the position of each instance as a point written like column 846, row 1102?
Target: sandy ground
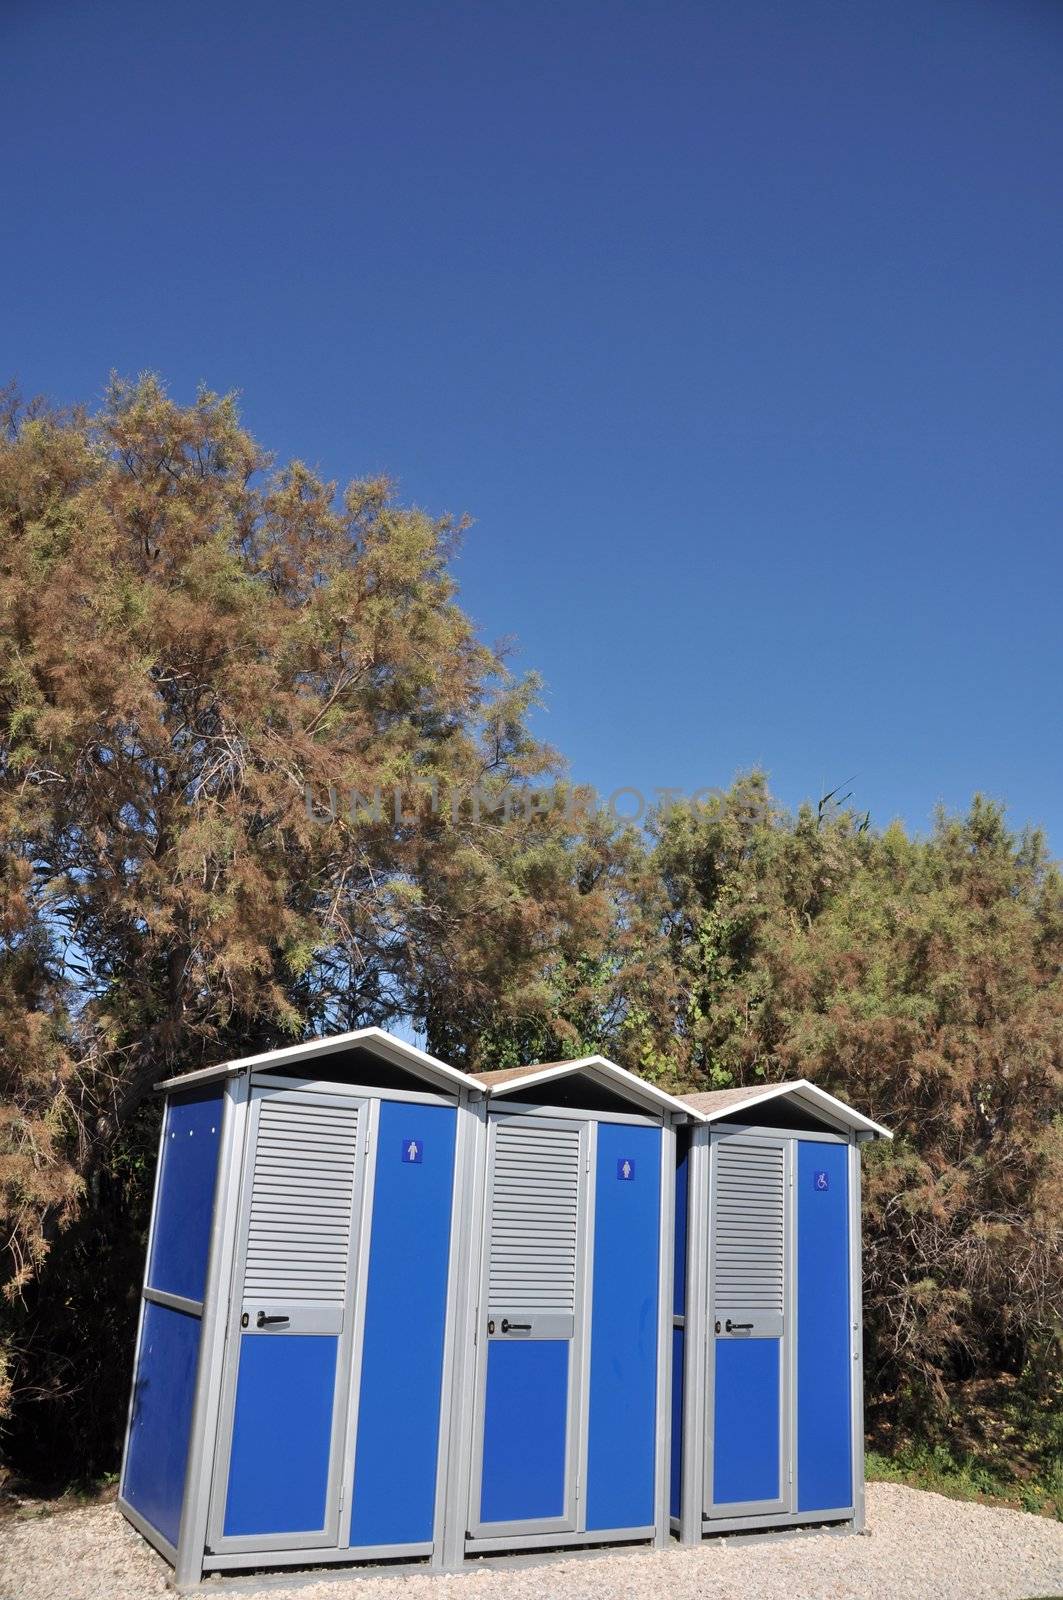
column 918, row 1545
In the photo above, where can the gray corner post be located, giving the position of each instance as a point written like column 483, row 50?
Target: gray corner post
column 459, row 1405
column 665, row 1377
column 192, row 1537
column 695, row 1340
column 856, row 1304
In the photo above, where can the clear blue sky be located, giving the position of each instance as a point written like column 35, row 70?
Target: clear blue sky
column 737, row 327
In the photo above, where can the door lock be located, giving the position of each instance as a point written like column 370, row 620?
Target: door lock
column 735, row 1327
column 515, row 1327
column 262, row 1321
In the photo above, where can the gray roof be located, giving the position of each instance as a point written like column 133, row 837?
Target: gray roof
column 711, row 1104
column 379, row 1042
column 717, row 1099
column 510, row 1074
column 628, row 1084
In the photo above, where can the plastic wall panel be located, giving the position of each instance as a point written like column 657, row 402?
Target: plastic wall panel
column 157, row 1453
column 525, row 1430
column 824, row 1354
column 188, row 1169
column 402, row 1361
column 623, row 1368
column 746, row 1464
column 682, row 1180
column 676, row 1488
column 282, row 1429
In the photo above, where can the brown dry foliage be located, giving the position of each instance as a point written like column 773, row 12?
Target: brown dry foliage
column 191, row 640
column 922, row 980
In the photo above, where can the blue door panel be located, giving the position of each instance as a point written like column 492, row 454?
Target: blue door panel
column 745, row 1446
column 676, row 1490
column 278, row 1472
column 623, row 1364
column 402, row 1359
column 824, row 1356
column 188, row 1162
column 154, row 1476
column 525, row 1423
column 682, row 1192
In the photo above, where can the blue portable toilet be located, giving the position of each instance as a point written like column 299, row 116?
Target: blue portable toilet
column 561, row 1414
column 767, row 1322
column 299, row 1319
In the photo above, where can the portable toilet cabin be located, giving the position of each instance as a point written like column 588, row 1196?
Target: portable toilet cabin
column 767, row 1328
column 561, row 1421
column 298, row 1320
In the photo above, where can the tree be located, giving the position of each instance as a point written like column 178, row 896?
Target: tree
column 920, row 979
column 192, row 642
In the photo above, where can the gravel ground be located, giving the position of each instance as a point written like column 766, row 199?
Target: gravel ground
column 919, row 1545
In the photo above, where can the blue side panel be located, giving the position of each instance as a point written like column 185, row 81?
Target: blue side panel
column 154, row 1475
column 623, row 1376
column 278, row 1470
column 679, row 1302
column 406, row 1302
column 824, row 1362
column 745, row 1440
column 682, row 1178
column 524, row 1430
column 676, row 1492
column 189, row 1166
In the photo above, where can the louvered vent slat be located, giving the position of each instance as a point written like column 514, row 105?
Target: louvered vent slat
column 534, row 1211
column 302, row 1198
column 748, row 1237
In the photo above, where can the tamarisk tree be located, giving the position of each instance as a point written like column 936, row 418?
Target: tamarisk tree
column 208, row 666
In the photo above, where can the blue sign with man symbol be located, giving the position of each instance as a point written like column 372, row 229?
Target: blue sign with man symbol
column 412, row 1150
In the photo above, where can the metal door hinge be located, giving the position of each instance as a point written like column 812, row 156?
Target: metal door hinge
column 340, row 1506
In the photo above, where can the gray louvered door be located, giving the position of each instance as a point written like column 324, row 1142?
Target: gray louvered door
column 291, row 1334
column 301, row 1216
column 748, row 1261
column 533, row 1239
column 749, row 1377
column 532, row 1368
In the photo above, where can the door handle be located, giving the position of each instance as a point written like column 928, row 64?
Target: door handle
column 262, row 1321
column 515, row 1327
column 733, row 1327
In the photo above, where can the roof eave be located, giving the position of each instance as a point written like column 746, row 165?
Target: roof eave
column 811, row 1093
column 377, row 1040
column 605, row 1071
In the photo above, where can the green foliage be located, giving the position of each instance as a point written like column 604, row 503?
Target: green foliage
column 920, row 979
column 1001, row 1441
column 936, row 1469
